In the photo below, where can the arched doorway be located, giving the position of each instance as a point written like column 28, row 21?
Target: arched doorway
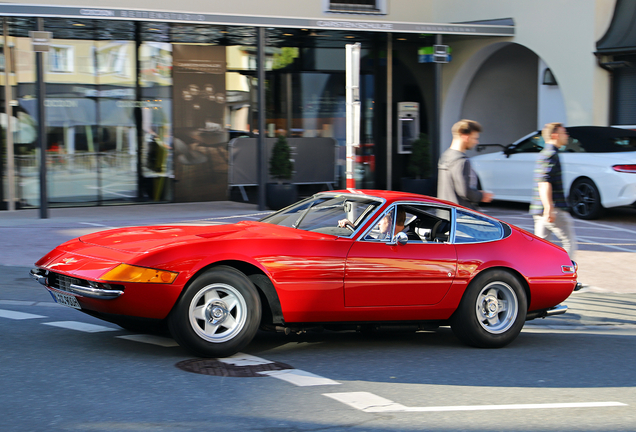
column 501, row 86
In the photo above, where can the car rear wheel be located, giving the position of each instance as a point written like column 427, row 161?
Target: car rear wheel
column 218, row 314
column 492, row 311
column 585, row 200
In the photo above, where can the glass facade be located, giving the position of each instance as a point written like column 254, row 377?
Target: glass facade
column 147, row 111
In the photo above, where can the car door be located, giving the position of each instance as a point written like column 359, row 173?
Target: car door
column 380, row 273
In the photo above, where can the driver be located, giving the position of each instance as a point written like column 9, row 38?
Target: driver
column 387, row 221
column 384, row 225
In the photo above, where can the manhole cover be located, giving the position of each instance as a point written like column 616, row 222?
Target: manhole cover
column 219, row 368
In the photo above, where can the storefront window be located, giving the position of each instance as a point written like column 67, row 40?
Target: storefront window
column 132, row 106
column 155, row 79
column 306, row 97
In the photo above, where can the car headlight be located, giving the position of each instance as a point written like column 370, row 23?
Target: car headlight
column 130, row 273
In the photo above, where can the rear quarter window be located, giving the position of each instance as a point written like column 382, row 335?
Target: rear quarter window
column 474, row 228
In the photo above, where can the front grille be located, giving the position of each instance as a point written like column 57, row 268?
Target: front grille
column 63, row 282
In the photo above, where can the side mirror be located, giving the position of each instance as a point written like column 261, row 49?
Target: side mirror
column 401, row 238
column 508, row 150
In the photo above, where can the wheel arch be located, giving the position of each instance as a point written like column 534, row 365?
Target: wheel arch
column 582, row 177
column 522, row 280
column 270, row 303
column 594, row 214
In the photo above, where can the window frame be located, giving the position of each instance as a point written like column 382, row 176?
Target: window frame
column 69, row 66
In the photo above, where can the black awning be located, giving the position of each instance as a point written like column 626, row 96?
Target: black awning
column 620, row 37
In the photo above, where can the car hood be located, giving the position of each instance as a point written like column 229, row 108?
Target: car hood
column 138, row 240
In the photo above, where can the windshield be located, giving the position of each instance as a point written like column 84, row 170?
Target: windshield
column 324, row 214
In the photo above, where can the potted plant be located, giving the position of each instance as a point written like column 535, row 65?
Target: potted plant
column 419, row 167
column 281, row 167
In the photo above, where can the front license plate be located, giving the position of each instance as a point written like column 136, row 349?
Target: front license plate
column 66, row 300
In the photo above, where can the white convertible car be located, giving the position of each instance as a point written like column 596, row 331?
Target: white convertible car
column 598, row 163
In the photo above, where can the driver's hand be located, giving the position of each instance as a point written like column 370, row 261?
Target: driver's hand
column 342, row 223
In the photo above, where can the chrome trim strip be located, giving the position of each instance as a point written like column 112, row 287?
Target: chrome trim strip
column 453, row 226
column 38, row 277
column 94, row 292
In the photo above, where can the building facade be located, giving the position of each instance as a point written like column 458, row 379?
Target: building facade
column 162, row 104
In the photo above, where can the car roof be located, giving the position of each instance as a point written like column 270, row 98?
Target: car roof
column 390, row 196
column 596, row 131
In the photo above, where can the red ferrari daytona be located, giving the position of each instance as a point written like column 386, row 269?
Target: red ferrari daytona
column 339, row 260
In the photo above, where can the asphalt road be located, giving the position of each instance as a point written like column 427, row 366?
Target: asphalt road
column 62, row 370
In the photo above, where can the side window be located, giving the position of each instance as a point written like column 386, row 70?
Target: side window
column 382, row 227
column 428, row 224
column 573, row 146
column 473, row 228
column 533, row 144
column 421, row 223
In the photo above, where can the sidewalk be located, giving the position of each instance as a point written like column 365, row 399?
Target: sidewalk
column 24, row 237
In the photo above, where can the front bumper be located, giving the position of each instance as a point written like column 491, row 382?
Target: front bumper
column 74, row 285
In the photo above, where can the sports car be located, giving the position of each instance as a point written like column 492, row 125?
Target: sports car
column 351, row 259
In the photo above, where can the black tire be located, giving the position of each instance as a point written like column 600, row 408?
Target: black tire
column 218, row 314
column 492, row 311
column 585, row 200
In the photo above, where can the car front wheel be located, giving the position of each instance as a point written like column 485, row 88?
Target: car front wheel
column 218, row 315
column 492, row 311
column 585, row 200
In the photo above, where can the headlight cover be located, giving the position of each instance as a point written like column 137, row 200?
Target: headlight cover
column 130, row 273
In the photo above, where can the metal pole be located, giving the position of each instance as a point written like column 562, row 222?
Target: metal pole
column 97, row 120
column 437, row 109
column 261, row 147
column 8, row 96
column 137, row 113
column 352, row 92
column 41, row 95
column 389, row 111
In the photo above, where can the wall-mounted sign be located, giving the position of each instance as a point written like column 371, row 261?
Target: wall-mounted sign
column 253, row 20
column 434, row 54
column 41, row 40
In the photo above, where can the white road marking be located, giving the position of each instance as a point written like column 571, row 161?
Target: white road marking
column 607, row 245
column 80, row 326
column 368, row 402
column 18, row 315
column 16, row 302
column 300, row 378
column 240, row 359
column 295, row 376
column 151, row 339
column 605, row 226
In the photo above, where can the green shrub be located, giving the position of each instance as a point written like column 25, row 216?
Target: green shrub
column 420, row 159
column 280, row 164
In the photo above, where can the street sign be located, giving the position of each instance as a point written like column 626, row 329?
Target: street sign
column 41, row 40
column 434, row 54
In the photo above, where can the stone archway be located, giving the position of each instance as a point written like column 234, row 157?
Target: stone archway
column 500, row 86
